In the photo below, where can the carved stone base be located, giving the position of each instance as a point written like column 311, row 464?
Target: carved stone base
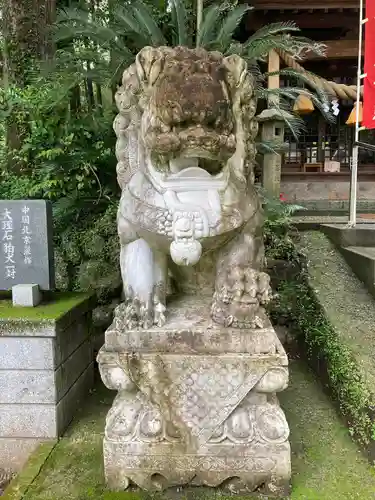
column 196, row 406
column 237, row 474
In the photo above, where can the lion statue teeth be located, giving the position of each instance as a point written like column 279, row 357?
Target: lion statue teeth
column 185, row 149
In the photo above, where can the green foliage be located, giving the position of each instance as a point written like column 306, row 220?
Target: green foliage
column 100, row 276
column 66, row 156
column 179, row 17
column 67, row 146
column 70, row 161
column 279, row 232
column 122, row 32
column 88, row 253
column 106, row 41
column 298, row 302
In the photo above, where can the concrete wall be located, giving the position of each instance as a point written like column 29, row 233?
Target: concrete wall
column 45, row 373
column 298, row 191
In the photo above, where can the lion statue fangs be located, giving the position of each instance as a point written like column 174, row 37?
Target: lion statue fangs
column 185, row 149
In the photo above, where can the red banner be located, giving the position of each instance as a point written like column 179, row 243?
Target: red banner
column 369, row 68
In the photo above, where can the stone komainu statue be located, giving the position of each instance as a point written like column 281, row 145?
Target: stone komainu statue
column 196, row 402
column 185, row 148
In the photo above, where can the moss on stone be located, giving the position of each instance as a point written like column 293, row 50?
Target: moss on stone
column 20, row 484
column 334, row 316
column 349, row 307
column 326, row 463
column 57, row 304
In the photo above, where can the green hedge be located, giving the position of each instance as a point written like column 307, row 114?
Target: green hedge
column 327, row 347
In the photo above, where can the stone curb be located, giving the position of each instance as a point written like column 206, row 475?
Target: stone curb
column 19, row 486
column 84, row 303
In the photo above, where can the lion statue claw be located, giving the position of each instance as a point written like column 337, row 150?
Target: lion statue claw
column 185, row 149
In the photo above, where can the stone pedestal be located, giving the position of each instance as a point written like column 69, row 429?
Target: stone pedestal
column 46, row 370
column 196, row 404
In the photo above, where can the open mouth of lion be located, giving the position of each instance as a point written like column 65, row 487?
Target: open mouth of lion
column 190, row 173
column 212, row 166
column 195, row 147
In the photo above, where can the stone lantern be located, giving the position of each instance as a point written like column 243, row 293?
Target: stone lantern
column 273, row 123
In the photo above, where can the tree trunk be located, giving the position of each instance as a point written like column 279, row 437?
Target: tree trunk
column 26, row 37
column 50, row 20
column 90, row 92
column 75, row 100
column 111, row 7
column 99, row 97
column 26, row 41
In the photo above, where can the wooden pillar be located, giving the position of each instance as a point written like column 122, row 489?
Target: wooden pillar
column 272, row 131
column 273, row 80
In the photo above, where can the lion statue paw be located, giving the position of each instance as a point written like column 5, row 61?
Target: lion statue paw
column 238, row 302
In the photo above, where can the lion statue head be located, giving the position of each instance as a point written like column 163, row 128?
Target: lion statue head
column 186, row 107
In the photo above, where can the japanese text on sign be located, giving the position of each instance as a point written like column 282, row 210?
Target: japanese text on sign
column 26, row 235
column 7, row 244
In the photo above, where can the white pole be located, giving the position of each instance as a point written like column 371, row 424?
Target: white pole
column 354, row 159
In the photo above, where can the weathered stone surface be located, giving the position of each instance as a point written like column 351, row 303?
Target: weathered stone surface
column 192, row 409
column 26, row 353
column 10, row 327
column 27, row 253
column 72, row 368
column 197, row 378
column 185, row 149
column 43, row 379
column 27, row 386
column 70, row 403
column 44, row 420
column 26, row 295
column 30, row 421
column 189, row 329
column 44, row 386
column 36, row 353
column 68, row 340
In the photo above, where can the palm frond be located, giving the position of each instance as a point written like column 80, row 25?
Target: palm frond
column 287, row 96
column 74, row 23
column 144, row 17
column 278, row 36
column 180, row 21
column 318, row 95
column 230, row 24
column 126, row 24
column 133, row 24
column 299, row 46
column 273, row 147
column 207, row 31
column 305, row 79
column 260, row 48
column 272, row 29
column 295, row 124
column 292, row 122
column 70, row 14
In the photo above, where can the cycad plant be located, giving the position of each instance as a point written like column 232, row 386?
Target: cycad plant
column 103, row 41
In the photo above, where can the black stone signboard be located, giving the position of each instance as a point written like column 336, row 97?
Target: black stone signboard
column 26, row 253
